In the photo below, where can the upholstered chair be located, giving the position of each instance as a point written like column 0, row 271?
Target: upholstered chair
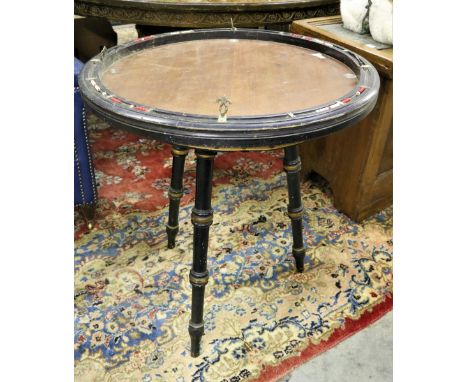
column 85, row 183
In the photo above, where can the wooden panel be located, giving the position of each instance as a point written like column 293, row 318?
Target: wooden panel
column 387, row 156
column 358, row 161
column 380, row 197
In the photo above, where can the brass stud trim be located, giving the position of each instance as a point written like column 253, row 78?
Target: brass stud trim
column 198, row 280
column 179, row 152
column 296, row 214
column 292, row 167
column 175, row 194
column 206, row 156
column 202, row 219
column 193, row 325
column 90, row 160
column 299, row 251
column 77, row 162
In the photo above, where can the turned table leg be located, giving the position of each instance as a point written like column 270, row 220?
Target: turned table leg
column 175, row 193
column 292, row 166
column 202, row 217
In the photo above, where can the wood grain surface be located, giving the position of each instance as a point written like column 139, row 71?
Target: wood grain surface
column 258, row 77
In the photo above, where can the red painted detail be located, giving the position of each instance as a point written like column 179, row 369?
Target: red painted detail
column 142, row 38
column 141, row 108
column 113, row 99
column 361, row 89
column 346, row 100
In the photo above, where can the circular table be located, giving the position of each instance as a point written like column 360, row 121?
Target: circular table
column 206, row 13
column 228, row 89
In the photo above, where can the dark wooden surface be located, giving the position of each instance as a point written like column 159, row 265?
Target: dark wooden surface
column 206, row 13
column 202, row 218
column 91, row 34
column 357, row 162
column 176, row 191
column 292, row 166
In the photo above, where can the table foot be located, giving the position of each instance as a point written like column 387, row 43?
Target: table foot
column 292, row 166
column 175, row 193
column 202, row 217
column 88, row 212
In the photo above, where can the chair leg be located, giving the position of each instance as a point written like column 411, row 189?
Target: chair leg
column 292, row 166
column 175, row 193
column 88, row 211
column 202, row 217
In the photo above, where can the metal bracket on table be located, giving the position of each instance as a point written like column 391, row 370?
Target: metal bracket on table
column 233, row 28
column 101, row 54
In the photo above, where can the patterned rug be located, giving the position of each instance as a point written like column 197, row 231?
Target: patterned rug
column 132, row 294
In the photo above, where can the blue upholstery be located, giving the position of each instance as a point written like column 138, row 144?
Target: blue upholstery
column 85, row 184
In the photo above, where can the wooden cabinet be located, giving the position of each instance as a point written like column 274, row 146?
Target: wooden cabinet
column 358, row 161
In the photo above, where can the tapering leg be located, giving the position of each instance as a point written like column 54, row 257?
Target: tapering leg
column 292, row 166
column 175, row 193
column 202, row 217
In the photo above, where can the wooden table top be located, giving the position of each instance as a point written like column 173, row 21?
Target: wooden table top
column 206, row 13
column 283, row 88
column 257, row 77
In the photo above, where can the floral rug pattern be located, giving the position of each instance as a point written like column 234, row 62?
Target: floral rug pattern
column 132, row 294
